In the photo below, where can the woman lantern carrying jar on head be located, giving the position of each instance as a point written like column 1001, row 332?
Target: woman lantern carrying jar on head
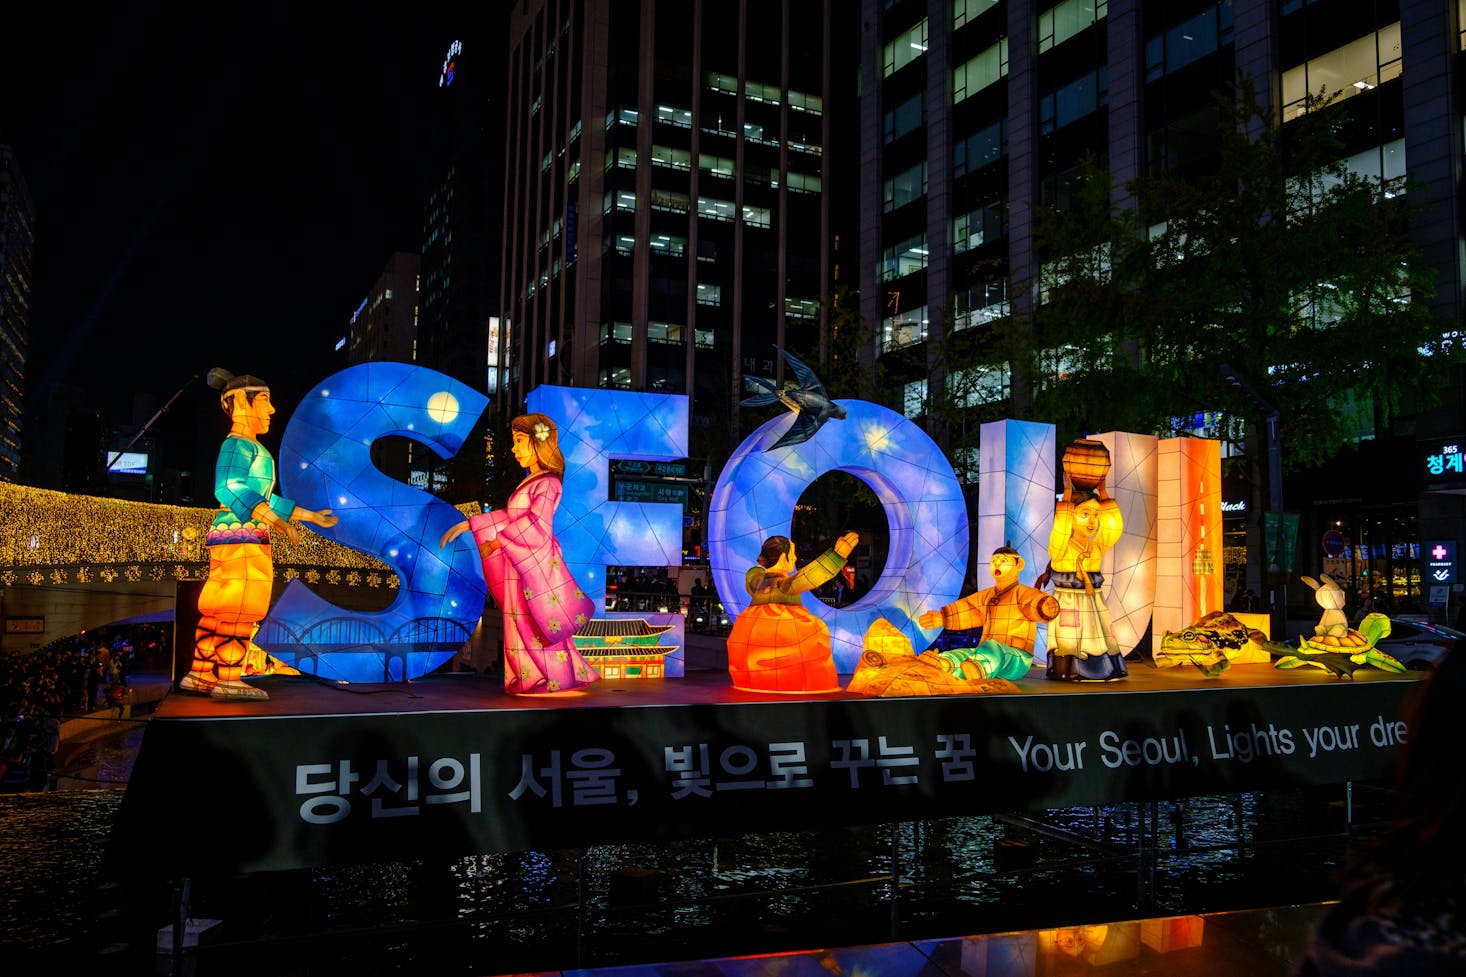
column 542, row 604
column 1086, row 523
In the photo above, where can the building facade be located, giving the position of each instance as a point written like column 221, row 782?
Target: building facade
column 17, row 249
column 384, row 329
column 669, row 215
column 459, row 281
column 972, row 111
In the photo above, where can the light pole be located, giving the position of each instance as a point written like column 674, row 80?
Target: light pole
column 1235, row 380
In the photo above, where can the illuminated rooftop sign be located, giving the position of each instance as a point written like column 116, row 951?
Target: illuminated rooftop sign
column 450, row 64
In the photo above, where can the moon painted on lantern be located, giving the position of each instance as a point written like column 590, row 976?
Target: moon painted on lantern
column 442, row 407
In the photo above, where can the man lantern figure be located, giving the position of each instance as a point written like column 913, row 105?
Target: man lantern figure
column 237, row 594
column 1007, row 612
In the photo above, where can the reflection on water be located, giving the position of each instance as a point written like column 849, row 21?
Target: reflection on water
column 53, row 844
column 105, row 761
column 617, row 904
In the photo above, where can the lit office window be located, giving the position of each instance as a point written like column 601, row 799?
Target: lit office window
column 801, row 308
column 727, row 84
column 669, row 333
column 905, row 48
column 904, row 258
column 756, row 216
column 621, row 116
column 804, row 182
column 979, row 385
column 1345, row 71
column 903, row 329
column 716, row 165
column 966, row 11
column 756, row 91
column 904, row 187
column 670, row 114
column 802, row 102
column 718, row 210
column 980, row 72
column 616, row 377
column 986, row 303
column 1062, row 21
column 913, row 398
column 624, row 200
column 670, row 201
column 671, row 157
column 977, row 227
column 668, row 244
column 709, row 294
column 615, row 332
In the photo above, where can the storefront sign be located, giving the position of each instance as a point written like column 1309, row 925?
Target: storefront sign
column 1443, row 461
column 1440, row 561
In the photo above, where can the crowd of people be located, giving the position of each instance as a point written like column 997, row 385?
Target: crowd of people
column 76, row 675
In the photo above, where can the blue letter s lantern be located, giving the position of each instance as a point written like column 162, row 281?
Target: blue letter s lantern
column 325, row 463
column 925, row 512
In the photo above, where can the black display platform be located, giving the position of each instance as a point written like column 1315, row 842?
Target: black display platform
column 449, row 765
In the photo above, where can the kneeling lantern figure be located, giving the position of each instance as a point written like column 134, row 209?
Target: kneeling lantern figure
column 776, row 645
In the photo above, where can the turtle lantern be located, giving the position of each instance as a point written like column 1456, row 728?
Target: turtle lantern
column 1336, row 647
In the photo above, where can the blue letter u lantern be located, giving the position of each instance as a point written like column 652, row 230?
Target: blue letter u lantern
column 926, row 517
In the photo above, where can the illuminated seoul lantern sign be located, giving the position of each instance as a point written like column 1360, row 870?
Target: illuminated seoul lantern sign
column 326, row 464
column 450, row 64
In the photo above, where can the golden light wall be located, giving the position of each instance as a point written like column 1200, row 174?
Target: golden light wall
column 55, row 538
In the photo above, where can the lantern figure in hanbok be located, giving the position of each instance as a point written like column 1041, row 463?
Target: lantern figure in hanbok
column 237, row 594
column 776, row 645
column 1008, row 613
column 543, row 606
column 1086, row 523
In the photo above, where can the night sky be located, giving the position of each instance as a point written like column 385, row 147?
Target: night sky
column 215, row 185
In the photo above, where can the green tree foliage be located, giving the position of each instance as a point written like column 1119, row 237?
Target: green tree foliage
column 1277, row 261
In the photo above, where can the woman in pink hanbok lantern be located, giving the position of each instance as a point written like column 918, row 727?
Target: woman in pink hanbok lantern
column 542, row 604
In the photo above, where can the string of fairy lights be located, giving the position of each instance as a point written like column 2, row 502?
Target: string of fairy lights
column 55, row 538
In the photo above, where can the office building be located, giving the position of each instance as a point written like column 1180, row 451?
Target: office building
column 384, row 329
column 17, row 250
column 975, row 110
column 668, row 203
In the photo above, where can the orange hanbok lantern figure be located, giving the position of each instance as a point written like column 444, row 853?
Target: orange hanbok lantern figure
column 543, row 605
column 776, row 645
column 237, row 594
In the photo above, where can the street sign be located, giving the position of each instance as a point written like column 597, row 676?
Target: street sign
column 1280, row 536
column 1333, row 543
